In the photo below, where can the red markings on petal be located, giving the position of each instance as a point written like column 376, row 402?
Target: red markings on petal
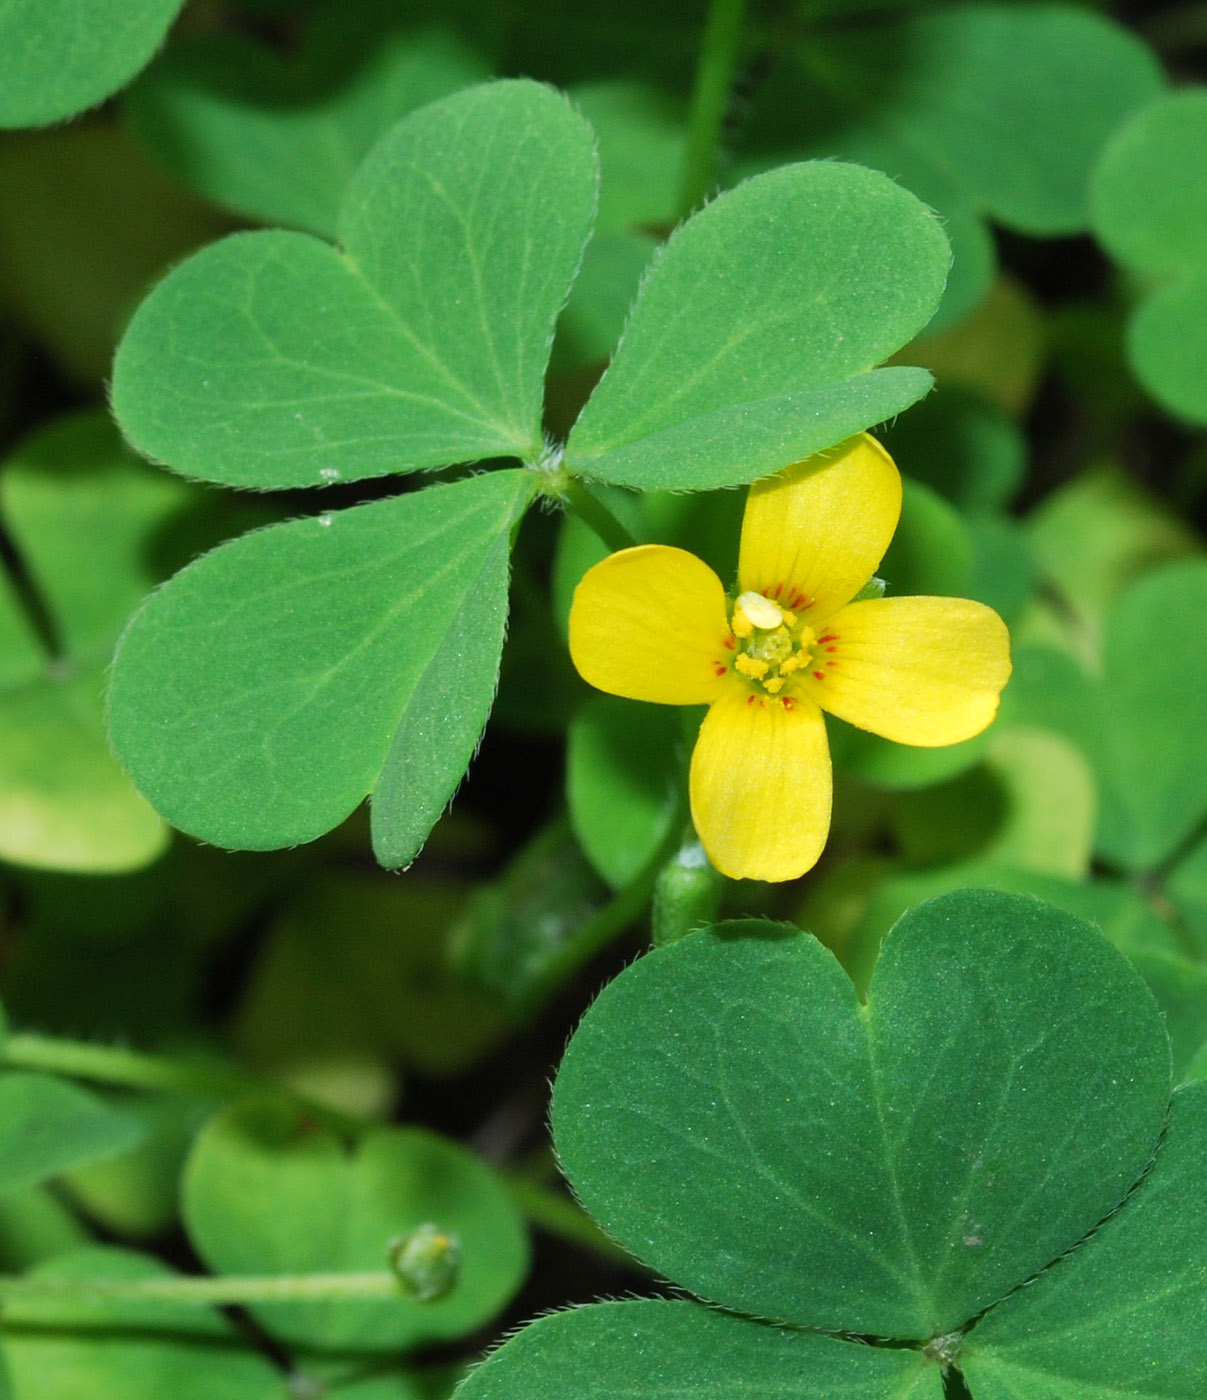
column 819, row 675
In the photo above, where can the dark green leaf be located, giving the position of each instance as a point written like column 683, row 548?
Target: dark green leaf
column 658, row 1350
column 624, row 780
column 733, row 1116
column 1124, row 1313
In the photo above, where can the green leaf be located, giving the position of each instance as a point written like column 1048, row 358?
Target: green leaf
column 1097, row 534
column 443, row 720
column 1007, row 106
column 89, row 520
column 593, row 318
column 279, row 140
column 641, row 133
column 1141, row 723
column 48, row 1125
column 1155, row 716
column 1040, row 796
column 267, row 1192
column 58, row 1346
column 64, row 803
column 1149, row 204
column 1167, row 347
column 58, row 57
column 86, row 223
column 652, row 1349
column 515, row 930
column 271, row 359
column 1149, row 195
column 256, row 697
column 135, row 1193
column 90, row 523
column 354, row 969
column 755, row 333
column 960, row 445
column 1123, row 1313
column 624, row 777
column 730, row 1113
column 21, row 655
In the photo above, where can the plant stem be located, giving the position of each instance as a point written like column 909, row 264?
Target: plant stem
column 110, row 1065
column 592, row 511
column 710, row 99
column 210, row 1292
column 105, row 1064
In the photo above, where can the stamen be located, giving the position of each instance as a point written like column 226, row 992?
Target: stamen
column 762, row 612
column 751, row 666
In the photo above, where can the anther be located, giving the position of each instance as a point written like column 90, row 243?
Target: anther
column 762, row 612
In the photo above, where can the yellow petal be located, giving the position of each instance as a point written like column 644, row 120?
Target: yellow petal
column 649, row 623
column 813, row 534
column 761, row 785
column 924, row 671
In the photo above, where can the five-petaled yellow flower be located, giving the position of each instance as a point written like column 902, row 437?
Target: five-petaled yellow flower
column 654, row 623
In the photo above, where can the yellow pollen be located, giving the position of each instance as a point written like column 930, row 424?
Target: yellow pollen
column 762, row 612
column 793, row 663
column 741, row 624
column 774, row 685
column 750, row 666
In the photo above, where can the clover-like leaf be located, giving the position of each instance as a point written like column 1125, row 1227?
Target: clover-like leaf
column 89, row 521
column 272, row 359
column 732, row 1115
column 279, row 140
column 658, row 1350
column 263, row 692
column 58, row 57
column 983, row 110
column 48, row 1125
column 267, row 1192
column 1151, row 794
column 756, row 332
column 1124, row 1313
column 1149, row 203
column 79, row 1344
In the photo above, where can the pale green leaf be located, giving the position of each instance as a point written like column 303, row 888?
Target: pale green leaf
column 256, row 696
column 756, row 331
column 48, row 1125
column 58, row 57
column 266, row 1192
column 1149, row 196
column 278, row 139
column 57, row 1346
column 272, row 359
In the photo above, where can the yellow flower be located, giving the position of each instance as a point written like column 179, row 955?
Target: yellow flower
column 654, row 623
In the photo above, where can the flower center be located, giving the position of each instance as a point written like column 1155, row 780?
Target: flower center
column 772, row 643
